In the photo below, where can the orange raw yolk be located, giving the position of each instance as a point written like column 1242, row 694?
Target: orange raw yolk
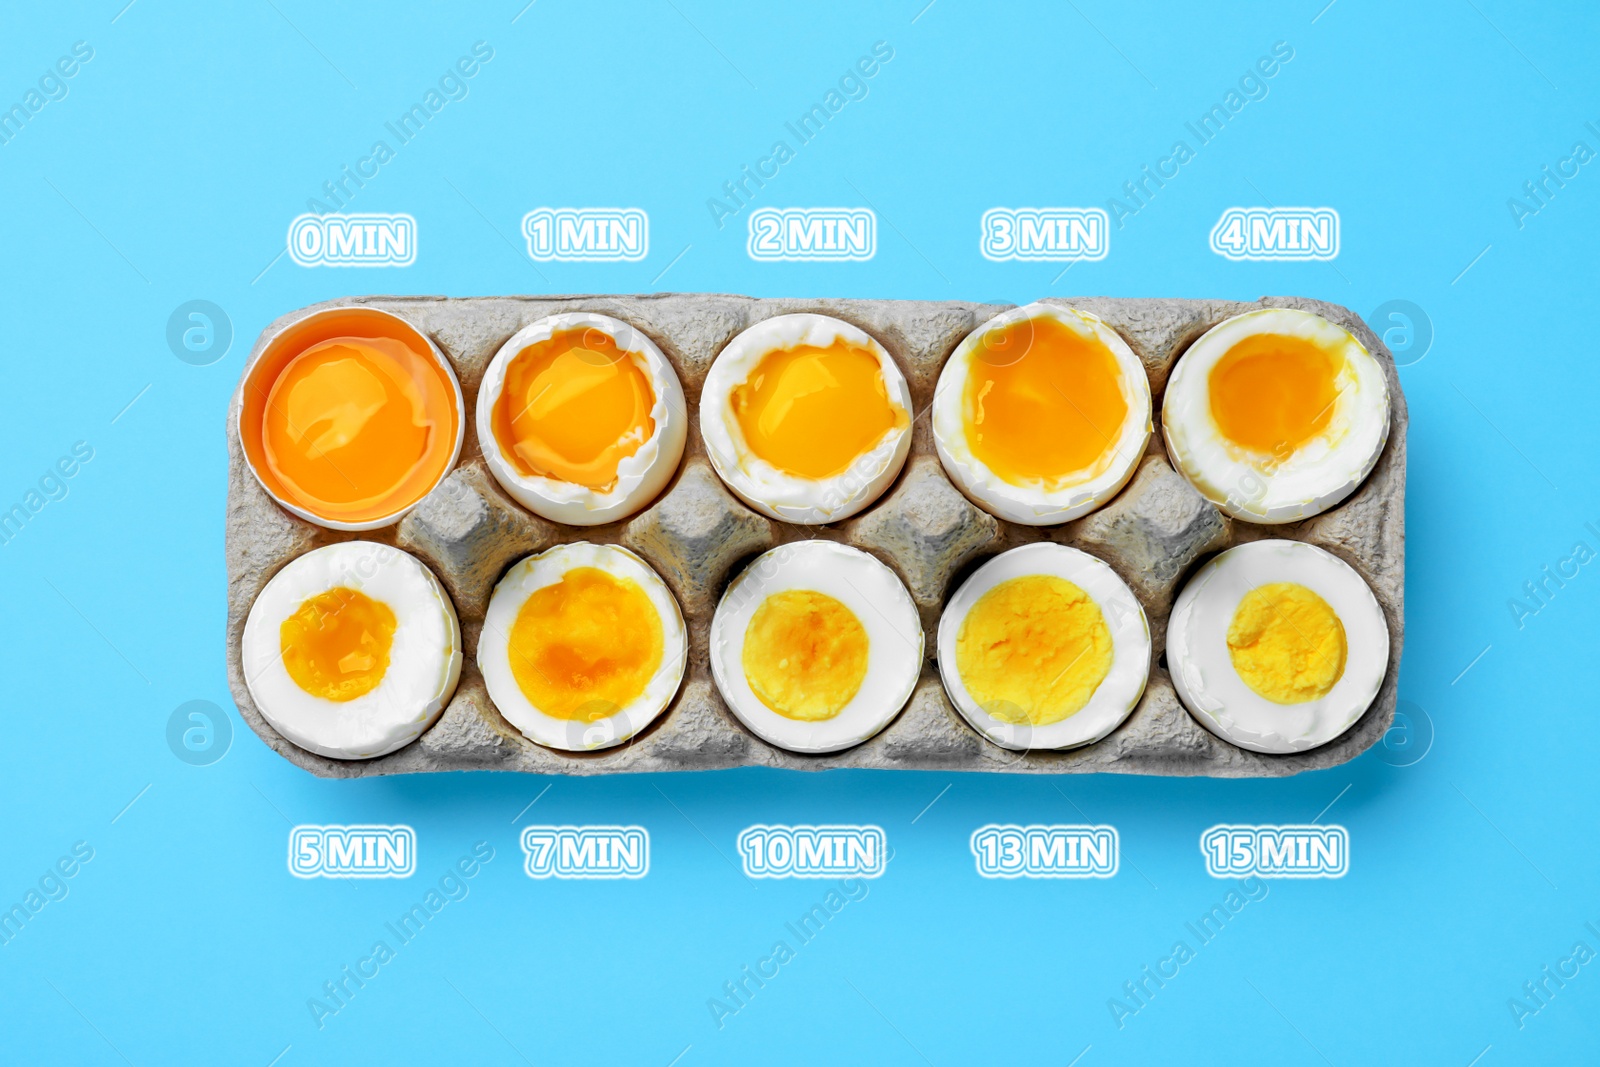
column 572, row 408
column 1033, row 650
column 336, row 646
column 357, row 428
column 585, row 647
column 811, row 412
column 1272, row 393
column 1043, row 404
column 805, row 654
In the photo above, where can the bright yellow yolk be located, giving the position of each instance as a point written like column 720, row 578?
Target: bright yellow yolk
column 1272, row 394
column 1033, row 650
column 1043, row 404
column 585, row 647
column 811, row 411
column 336, row 645
column 572, row 408
column 357, row 428
column 805, row 654
column 1286, row 643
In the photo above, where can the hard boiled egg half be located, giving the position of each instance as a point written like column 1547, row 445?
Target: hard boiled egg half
column 1044, row 647
column 816, row 646
column 352, row 650
column 582, row 647
column 1277, row 646
column 1276, row 415
column 806, row 418
column 581, row 418
column 1041, row 414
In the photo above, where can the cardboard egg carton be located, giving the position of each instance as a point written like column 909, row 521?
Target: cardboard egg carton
column 697, row 535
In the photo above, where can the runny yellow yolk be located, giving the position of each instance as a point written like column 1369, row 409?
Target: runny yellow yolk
column 1272, row 394
column 811, row 412
column 336, row 645
column 1033, row 650
column 805, row 654
column 1043, row 404
column 573, row 407
column 357, row 428
column 1287, row 643
column 585, row 647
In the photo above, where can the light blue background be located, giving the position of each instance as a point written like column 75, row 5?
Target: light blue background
column 170, row 172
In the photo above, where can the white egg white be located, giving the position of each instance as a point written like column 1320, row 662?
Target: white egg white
column 1037, row 505
column 1118, row 693
column 639, row 477
column 779, row 494
column 871, row 591
column 494, row 648
column 1202, row 668
column 1299, row 484
column 424, row 658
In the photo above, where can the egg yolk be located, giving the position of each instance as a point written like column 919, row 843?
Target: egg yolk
column 573, row 407
column 585, row 647
column 357, row 428
column 1033, row 650
column 1287, row 643
column 1272, row 394
column 811, row 411
column 1043, row 404
column 336, row 645
column 805, row 654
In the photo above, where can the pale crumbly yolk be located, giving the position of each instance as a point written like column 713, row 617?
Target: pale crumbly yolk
column 1272, row 394
column 336, row 645
column 573, row 407
column 1286, row 643
column 585, row 647
column 811, row 411
column 1033, row 650
column 805, row 654
column 1043, row 404
column 357, row 428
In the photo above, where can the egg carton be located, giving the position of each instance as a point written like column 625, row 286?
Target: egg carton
column 697, row 536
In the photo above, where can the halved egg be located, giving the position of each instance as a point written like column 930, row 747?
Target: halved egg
column 806, row 418
column 816, row 646
column 1277, row 646
column 352, row 650
column 1042, row 414
column 582, row 647
column 1044, row 647
column 581, row 418
column 1276, row 415
column 349, row 417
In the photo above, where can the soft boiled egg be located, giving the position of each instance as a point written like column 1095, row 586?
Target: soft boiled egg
column 581, row 418
column 806, row 418
column 1044, row 647
column 1277, row 646
column 1276, row 415
column 582, row 647
column 816, row 646
column 352, row 650
column 1041, row 414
